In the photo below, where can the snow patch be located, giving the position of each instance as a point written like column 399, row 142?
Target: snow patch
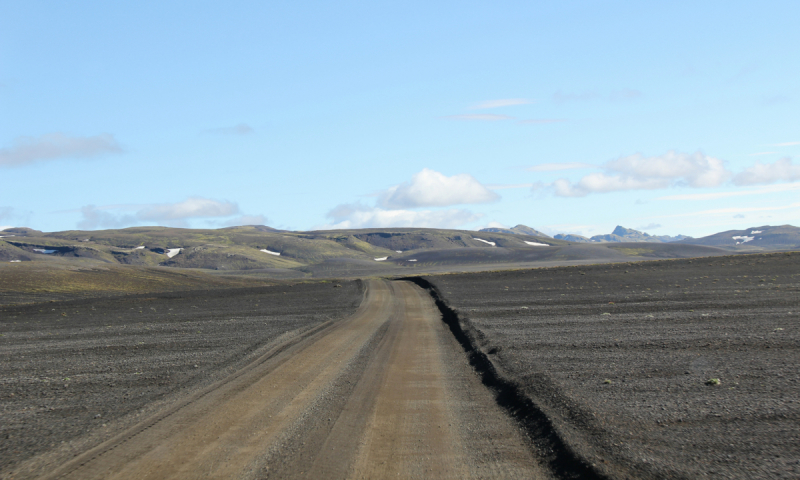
column 412, row 259
column 485, row 241
column 42, row 250
column 537, row 244
column 278, row 254
column 743, row 239
column 14, row 261
column 171, row 252
column 139, row 247
column 756, row 231
column 399, row 251
column 381, row 259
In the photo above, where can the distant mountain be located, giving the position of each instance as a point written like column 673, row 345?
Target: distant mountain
column 571, row 238
column 757, row 238
column 622, row 234
column 519, row 230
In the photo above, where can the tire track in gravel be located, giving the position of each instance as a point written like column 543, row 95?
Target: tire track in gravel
column 384, row 393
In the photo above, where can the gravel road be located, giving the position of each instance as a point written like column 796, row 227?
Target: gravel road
column 386, row 392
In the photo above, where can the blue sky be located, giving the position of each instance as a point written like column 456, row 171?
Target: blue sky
column 574, row 117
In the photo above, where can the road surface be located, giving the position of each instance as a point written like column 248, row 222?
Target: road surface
column 385, row 393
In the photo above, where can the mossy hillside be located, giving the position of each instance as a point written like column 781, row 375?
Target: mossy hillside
column 221, row 257
column 9, row 252
column 297, row 246
column 62, row 248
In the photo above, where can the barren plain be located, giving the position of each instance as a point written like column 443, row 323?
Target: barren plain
column 680, row 368
column 663, row 369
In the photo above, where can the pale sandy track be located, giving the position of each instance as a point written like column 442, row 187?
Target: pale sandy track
column 385, row 393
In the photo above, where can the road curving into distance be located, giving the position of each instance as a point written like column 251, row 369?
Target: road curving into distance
column 385, row 393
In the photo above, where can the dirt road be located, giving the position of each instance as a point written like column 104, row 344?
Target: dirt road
column 385, row 393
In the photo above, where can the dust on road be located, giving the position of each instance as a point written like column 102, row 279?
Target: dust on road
column 385, row 393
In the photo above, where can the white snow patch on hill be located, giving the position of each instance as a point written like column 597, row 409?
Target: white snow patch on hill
column 42, row 250
column 537, row 244
column 743, row 239
column 139, row 247
column 412, row 260
column 381, row 259
column 171, row 252
column 486, row 241
column 756, row 231
column 271, row 253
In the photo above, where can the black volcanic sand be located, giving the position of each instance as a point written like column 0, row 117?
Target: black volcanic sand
column 73, row 373
column 618, row 356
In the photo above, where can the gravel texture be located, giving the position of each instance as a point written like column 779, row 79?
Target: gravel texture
column 75, row 372
column 624, row 359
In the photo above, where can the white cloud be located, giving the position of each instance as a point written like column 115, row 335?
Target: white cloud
column 697, row 169
column 57, row 145
column 553, row 167
column 492, row 225
column 602, row 183
column 637, row 172
column 758, row 154
column 191, row 208
column 360, row 216
column 651, row 226
column 246, row 220
column 486, row 117
column 240, row 129
column 784, row 144
column 762, row 173
column 429, row 188
column 94, row 217
column 505, row 102
column 172, row 214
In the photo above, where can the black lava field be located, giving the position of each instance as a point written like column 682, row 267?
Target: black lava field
column 75, row 372
column 662, row 369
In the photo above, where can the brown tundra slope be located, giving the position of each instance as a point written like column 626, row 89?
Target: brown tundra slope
column 662, row 369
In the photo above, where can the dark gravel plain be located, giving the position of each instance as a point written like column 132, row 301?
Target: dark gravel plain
column 622, row 359
column 74, row 372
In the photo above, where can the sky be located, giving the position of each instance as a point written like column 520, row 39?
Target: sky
column 569, row 117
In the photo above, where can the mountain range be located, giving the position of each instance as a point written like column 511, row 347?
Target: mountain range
column 264, row 251
column 620, row 234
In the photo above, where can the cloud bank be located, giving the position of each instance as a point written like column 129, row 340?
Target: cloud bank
column 171, row 214
column 193, row 207
column 430, row 188
column 361, row 216
column 764, row 173
column 637, row 172
column 57, row 145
